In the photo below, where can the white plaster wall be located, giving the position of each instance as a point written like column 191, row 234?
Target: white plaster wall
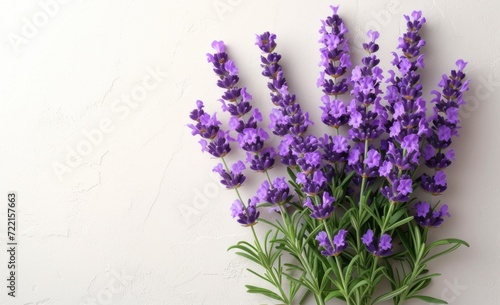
column 116, row 214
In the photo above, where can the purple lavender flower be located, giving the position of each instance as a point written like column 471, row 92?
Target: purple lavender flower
column 219, row 146
column 379, row 247
column 236, row 101
column 234, row 178
column 335, row 149
column 247, row 216
column 278, row 193
column 386, row 169
column 444, row 125
column 323, row 210
column 372, row 158
column 434, row 184
column 334, row 112
column 367, row 168
column 198, row 112
column 261, row 161
column 439, row 161
column 310, row 161
column 207, row 126
column 266, row 42
column 408, row 108
column 289, row 118
column 332, row 249
column 335, row 61
column 285, row 151
column 238, row 125
column 399, row 189
column 366, row 123
column 402, row 159
column 252, row 139
column 312, row 185
column 426, row 217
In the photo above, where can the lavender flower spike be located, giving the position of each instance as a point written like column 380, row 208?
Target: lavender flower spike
column 276, row 194
column 426, row 217
column 232, row 179
column 332, row 249
column 323, row 210
column 379, row 247
column 335, row 61
column 247, row 216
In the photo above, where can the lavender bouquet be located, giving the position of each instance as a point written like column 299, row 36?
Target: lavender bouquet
column 349, row 218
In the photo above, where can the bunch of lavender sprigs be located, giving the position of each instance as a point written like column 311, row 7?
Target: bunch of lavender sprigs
column 347, row 217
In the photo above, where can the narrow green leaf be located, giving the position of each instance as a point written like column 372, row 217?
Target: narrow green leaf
column 357, row 285
column 294, row 267
column 418, row 286
column 291, row 174
column 427, row 277
column 400, row 223
column 259, row 275
column 245, row 249
column 350, row 267
column 447, row 241
column 450, row 249
column 372, row 214
column 334, row 294
column 249, row 257
column 390, row 295
column 396, row 215
column 263, row 291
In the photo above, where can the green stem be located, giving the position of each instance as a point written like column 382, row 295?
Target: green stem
column 363, row 182
column 271, row 271
column 387, row 217
column 359, row 219
column 301, row 255
column 265, row 263
column 342, row 279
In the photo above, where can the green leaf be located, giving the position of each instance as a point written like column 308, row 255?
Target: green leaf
column 429, row 276
column 249, row 257
column 400, row 223
column 353, row 286
column 347, row 179
column 390, row 295
column 450, row 249
column 372, row 214
column 245, row 249
column 263, row 291
column 294, row 267
column 246, row 244
column 429, row 299
column 447, row 241
column 291, row 174
column 334, row 294
column 397, row 215
column 418, row 286
column 259, row 275
column 350, row 267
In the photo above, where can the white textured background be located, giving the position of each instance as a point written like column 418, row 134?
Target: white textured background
column 138, row 220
